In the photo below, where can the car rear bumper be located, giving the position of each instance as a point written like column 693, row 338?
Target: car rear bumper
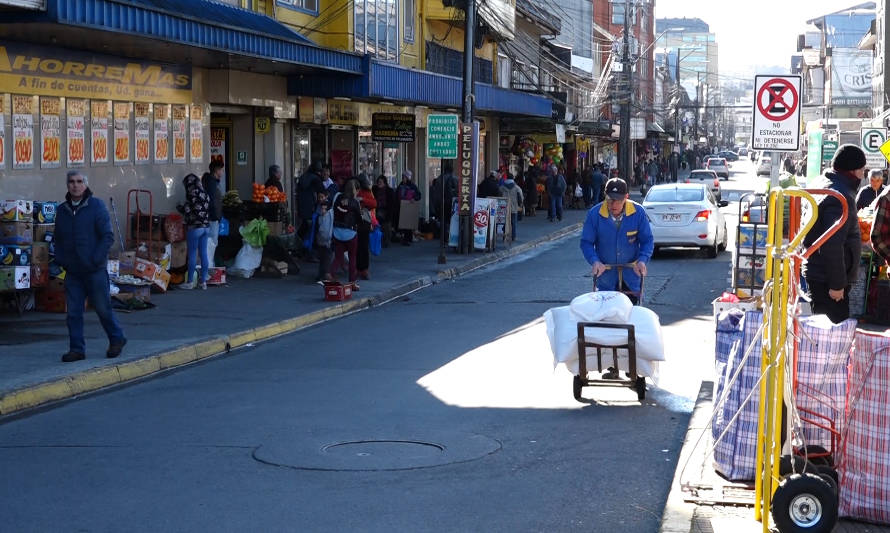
column 683, row 235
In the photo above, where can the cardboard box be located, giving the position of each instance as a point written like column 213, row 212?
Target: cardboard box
column 15, row 255
column 16, row 277
column 161, row 280
column 749, row 235
column 127, row 290
column 744, row 277
column 44, row 232
column 45, row 212
column 127, row 263
column 216, row 276
column 40, row 275
column 40, row 252
column 178, row 254
column 145, row 269
column 113, row 267
column 16, row 232
column 51, row 301
column 55, row 284
column 17, row 210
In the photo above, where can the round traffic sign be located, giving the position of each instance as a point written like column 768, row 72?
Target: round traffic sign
column 872, row 140
column 777, row 106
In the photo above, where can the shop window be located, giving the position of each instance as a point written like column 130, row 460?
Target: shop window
column 310, row 6
column 504, row 68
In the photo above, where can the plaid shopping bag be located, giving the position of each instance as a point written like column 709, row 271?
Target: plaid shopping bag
column 865, row 467
column 822, row 359
column 735, row 454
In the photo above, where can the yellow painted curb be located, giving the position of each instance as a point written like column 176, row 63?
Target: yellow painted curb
column 94, row 379
column 138, row 368
column 34, row 396
column 177, row 357
column 242, row 338
column 210, row 348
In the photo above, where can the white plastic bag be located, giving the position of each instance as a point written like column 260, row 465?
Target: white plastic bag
column 602, row 306
column 248, row 259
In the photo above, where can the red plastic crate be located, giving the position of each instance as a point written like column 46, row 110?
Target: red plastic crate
column 334, row 291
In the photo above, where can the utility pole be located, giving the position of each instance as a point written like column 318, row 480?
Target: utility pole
column 677, row 111
column 465, row 229
column 625, row 164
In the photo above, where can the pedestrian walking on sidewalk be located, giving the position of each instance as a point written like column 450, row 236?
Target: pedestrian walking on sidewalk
column 82, row 238
column 599, row 181
column 386, row 207
column 324, row 230
column 531, row 190
column 513, row 193
column 347, row 214
column 831, row 271
column 880, row 228
column 617, row 231
column 406, row 192
column 556, row 189
column 211, row 180
column 197, row 223
column 367, row 223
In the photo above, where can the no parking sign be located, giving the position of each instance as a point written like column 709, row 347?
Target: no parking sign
column 872, row 139
column 776, row 113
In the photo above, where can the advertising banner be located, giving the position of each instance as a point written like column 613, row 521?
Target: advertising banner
column 121, row 133
column 218, row 145
column 49, row 71
column 162, row 138
column 851, row 71
column 76, row 134
column 23, row 131
column 196, row 134
column 142, row 120
column 179, row 133
column 2, row 131
column 468, row 153
column 99, row 111
column 50, row 132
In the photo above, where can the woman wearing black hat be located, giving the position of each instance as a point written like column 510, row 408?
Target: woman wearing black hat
column 834, row 267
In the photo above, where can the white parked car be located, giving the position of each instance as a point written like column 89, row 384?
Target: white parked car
column 718, row 165
column 764, row 165
column 686, row 214
column 709, row 178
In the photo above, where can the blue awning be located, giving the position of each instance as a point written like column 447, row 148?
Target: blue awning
column 387, row 81
column 204, row 24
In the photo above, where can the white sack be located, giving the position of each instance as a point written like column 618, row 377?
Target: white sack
column 562, row 331
column 602, row 306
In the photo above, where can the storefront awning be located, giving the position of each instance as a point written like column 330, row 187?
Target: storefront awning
column 216, row 32
column 386, row 81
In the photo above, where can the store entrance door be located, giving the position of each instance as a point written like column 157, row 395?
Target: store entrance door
column 220, row 150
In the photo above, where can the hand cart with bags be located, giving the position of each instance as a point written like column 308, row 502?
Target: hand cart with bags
column 612, row 378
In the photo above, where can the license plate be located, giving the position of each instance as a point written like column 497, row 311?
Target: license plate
column 671, row 217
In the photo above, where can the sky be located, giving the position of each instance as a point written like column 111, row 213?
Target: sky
column 755, row 34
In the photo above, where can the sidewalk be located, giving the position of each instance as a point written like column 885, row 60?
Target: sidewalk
column 711, row 503
column 187, row 326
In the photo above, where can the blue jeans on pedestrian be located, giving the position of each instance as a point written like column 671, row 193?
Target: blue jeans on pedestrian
column 555, row 210
column 197, row 242
column 92, row 285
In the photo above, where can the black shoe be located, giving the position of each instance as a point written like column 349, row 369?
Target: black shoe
column 70, row 357
column 611, row 373
column 115, row 348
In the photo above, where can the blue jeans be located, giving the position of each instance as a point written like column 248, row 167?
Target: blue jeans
column 197, row 242
column 555, row 210
column 79, row 286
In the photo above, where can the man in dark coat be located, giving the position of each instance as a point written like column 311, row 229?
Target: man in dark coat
column 83, row 237
column 833, row 268
column 874, row 189
column 307, row 195
column 489, row 188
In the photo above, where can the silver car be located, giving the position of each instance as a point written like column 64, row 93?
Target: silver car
column 709, row 178
column 718, row 165
column 686, row 214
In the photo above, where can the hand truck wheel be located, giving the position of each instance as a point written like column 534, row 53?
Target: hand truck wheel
column 576, row 387
column 804, row 503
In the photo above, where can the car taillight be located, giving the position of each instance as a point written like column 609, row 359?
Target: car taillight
column 716, row 182
column 702, row 216
column 688, row 180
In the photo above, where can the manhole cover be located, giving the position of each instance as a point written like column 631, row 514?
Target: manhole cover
column 378, row 453
column 376, row 448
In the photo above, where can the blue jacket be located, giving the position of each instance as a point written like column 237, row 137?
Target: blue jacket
column 83, row 235
column 608, row 242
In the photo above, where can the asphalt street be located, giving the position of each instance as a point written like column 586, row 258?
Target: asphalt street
column 440, row 411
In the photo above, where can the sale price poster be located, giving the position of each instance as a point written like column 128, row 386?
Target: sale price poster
column 143, row 134
column 162, row 139
column 179, row 133
column 23, row 132
column 76, row 132
column 121, row 133
column 99, row 131
column 196, row 137
column 50, row 132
